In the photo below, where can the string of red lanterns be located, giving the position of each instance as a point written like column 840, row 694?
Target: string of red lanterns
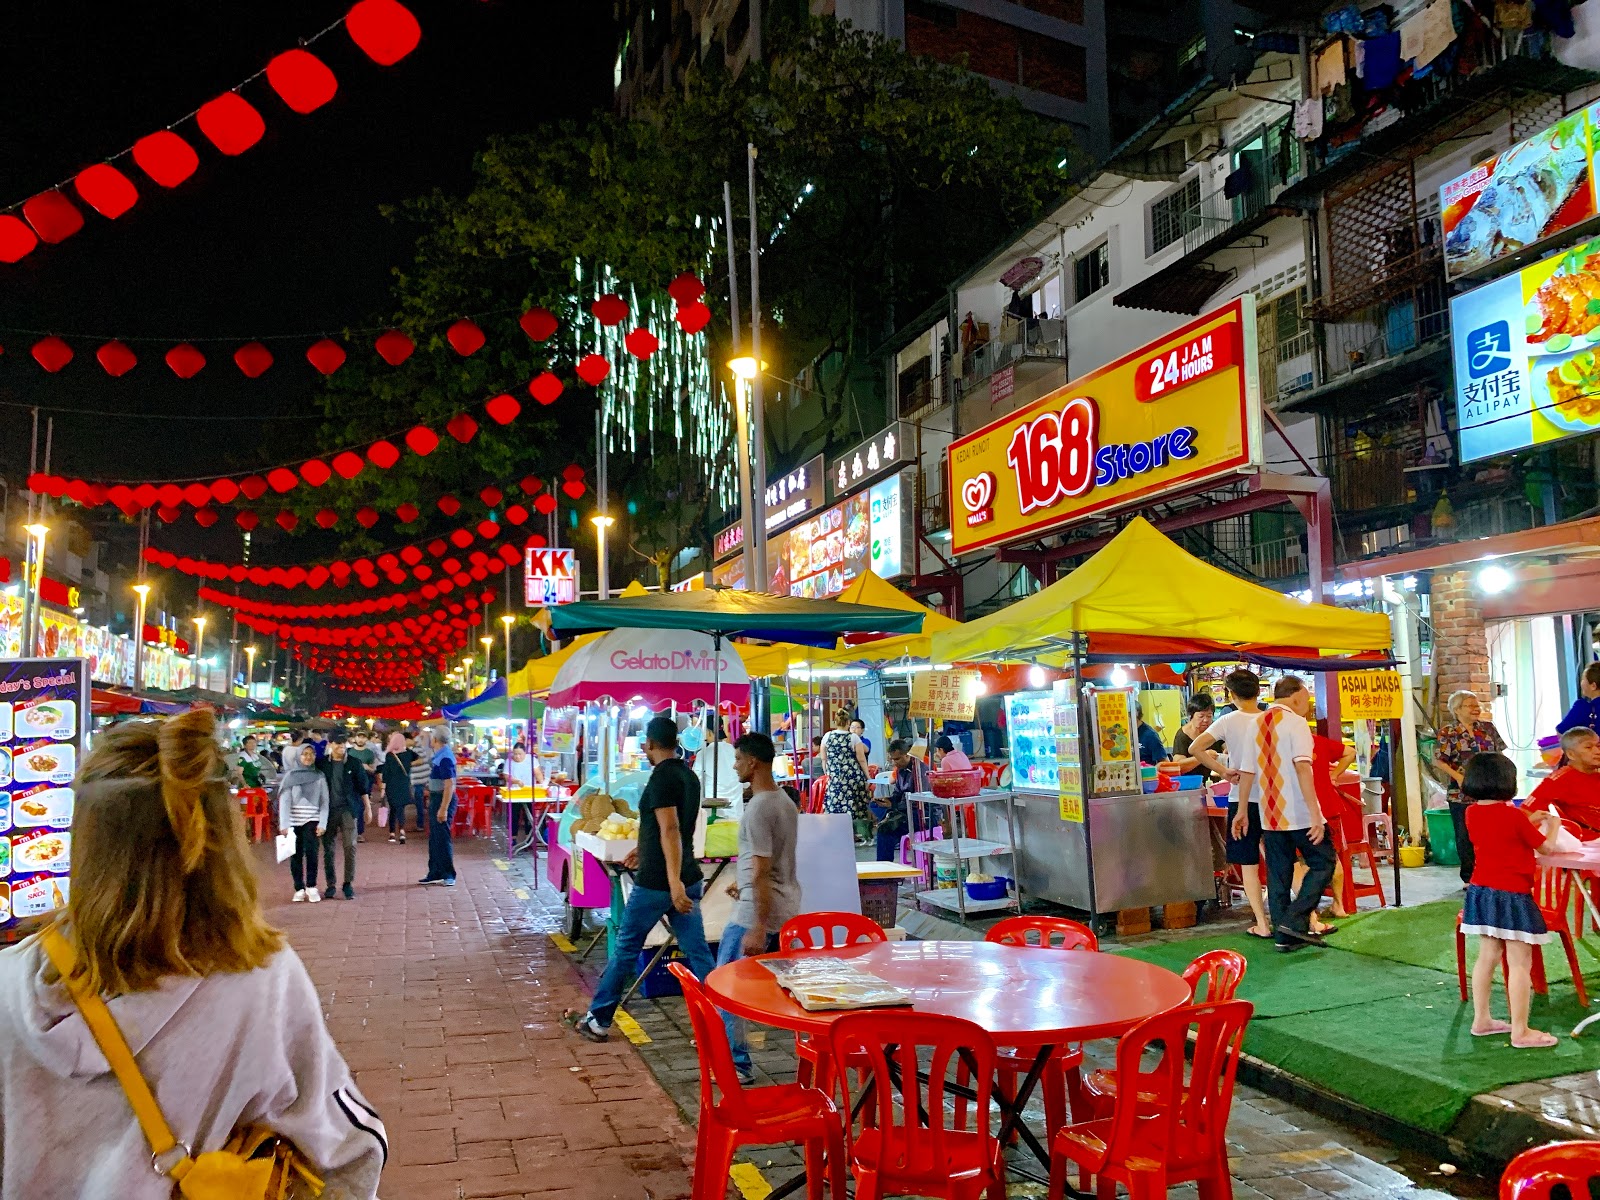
column 384, row 30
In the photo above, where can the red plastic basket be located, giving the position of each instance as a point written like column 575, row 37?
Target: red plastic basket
column 952, row 785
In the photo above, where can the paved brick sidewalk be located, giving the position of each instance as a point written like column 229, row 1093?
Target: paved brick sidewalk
column 447, row 1004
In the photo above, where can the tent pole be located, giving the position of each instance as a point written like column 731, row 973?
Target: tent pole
column 716, row 711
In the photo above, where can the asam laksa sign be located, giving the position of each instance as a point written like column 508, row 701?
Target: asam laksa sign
column 1170, row 415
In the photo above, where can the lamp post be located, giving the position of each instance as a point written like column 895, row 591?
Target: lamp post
column 143, row 592
column 34, row 571
column 602, row 522
column 508, row 620
column 752, row 487
column 250, row 670
column 466, row 677
column 487, row 641
column 199, row 646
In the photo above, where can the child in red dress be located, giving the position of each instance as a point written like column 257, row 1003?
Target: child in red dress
column 1500, row 907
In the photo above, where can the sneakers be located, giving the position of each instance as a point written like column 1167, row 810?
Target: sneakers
column 451, row 882
column 402, row 839
column 311, row 895
column 299, row 897
column 747, row 1076
column 586, row 1027
column 427, row 879
column 349, row 892
column 391, row 839
column 331, row 891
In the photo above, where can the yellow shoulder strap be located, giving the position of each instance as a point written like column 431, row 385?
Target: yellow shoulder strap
column 115, row 1047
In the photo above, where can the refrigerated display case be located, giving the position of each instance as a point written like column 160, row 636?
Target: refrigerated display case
column 1030, row 727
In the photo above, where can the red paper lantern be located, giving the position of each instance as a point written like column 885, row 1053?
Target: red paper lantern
column 449, row 505
column 326, row 356
column 411, row 555
column 383, row 455
column 106, row 190
column 538, row 323
column 116, row 359
column 461, row 539
column 315, row 472
column 16, row 239
column 287, row 520
column 509, row 554
column 366, row 517
column 197, row 495
column 327, row 518
column 253, row 486
column 465, row 338
column 686, row 288
column 592, row 368
column 348, row 464
column 536, row 540
column 491, row 496
column 546, row 388
column 317, row 576
column 422, row 571
column 224, row 491
column 407, row 513
column 546, row 504
column 573, row 471
column 281, row 479
column 503, row 409
column 488, row 529
column 692, row 317
column 461, row 427
column 167, row 513
column 231, row 123
column 165, row 157
column 574, row 489
column 169, row 495
column 516, row 514
column 387, row 562
column 641, row 343
column 437, row 547
column 51, row 353
column 394, row 347
column 205, row 517
column 186, row 362
column 302, row 80
column 610, row 309
column 252, row 359
column 422, row 440
column 384, row 29
column 53, row 217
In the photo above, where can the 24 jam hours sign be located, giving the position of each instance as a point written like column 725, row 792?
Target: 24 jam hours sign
column 1170, row 415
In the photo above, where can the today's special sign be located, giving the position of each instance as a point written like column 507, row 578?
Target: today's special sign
column 1168, row 416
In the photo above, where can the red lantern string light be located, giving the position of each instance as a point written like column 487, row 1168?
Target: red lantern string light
column 116, row 359
column 383, row 455
column 51, row 353
column 53, row 217
column 593, row 368
column 385, row 30
column 246, row 520
column 287, row 520
column 461, row 427
column 186, row 361
column 449, row 505
column 686, row 288
column 252, row 359
column 348, row 464
column 302, row 80
column 253, row 487
column 206, row 517
column 545, row 504
column 538, row 323
column 231, row 123
column 394, row 347
column 422, row 441
column 491, row 496
column 546, row 388
column 610, row 309
column 465, row 338
column 282, row 479
column 407, row 513
column 531, row 485
column 503, row 409
column 16, row 239
column 516, row 514
column 366, row 517
column 327, row 518
column 197, row 495
column 692, row 317
column 641, row 343
column 165, row 157
column 106, row 190
column 327, row 356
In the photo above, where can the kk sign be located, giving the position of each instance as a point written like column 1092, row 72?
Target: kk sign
column 1169, row 416
column 551, row 577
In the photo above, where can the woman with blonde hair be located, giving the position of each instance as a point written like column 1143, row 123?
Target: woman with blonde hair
column 224, row 1024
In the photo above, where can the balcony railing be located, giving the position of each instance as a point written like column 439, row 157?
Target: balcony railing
column 1386, row 331
column 1017, row 340
column 1271, row 172
column 1280, row 559
column 1289, row 367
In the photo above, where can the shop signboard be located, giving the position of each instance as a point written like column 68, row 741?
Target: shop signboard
column 1116, row 741
column 1176, row 414
column 945, row 695
column 1527, row 355
column 794, row 493
column 1537, row 189
column 1069, row 749
column 887, row 450
column 1370, row 695
column 820, row 556
column 44, row 715
column 550, row 577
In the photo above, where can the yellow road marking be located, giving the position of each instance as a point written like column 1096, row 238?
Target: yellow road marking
column 752, row 1184
column 502, row 864
column 520, row 893
column 631, row 1031
column 562, row 944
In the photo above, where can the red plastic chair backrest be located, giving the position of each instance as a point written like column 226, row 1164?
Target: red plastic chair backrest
column 1168, row 1100
column 1220, row 971
column 915, row 1136
column 1050, row 933
column 818, row 796
column 829, row 931
column 1552, row 889
column 1533, row 1174
column 710, row 1039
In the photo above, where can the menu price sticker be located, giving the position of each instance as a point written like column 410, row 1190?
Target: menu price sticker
column 44, row 702
column 1371, row 695
column 35, row 895
column 1116, row 744
column 945, row 695
column 1069, row 751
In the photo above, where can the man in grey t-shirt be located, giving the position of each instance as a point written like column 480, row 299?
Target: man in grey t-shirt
column 767, row 890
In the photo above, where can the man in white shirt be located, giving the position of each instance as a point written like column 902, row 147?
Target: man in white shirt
column 1277, row 766
column 1234, row 731
column 713, row 766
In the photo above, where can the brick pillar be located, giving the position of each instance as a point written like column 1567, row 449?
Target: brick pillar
column 1460, row 646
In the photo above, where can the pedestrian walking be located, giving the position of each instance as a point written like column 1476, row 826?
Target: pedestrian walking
column 421, row 768
column 369, row 756
column 164, row 923
column 1233, row 732
column 667, row 882
column 844, row 758
column 442, row 804
column 397, row 784
column 348, row 786
column 303, row 808
column 766, row 890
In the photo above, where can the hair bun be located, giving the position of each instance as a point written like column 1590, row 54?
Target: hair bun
column 189, row 760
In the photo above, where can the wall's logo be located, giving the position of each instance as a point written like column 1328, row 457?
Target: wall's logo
column 1489, row 349
column 977, row 494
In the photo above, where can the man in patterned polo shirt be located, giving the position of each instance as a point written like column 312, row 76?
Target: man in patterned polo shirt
column 1276, row 768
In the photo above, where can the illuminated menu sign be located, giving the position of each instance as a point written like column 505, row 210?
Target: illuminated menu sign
column 869, row 530
column 887, row 450
column 44, row 713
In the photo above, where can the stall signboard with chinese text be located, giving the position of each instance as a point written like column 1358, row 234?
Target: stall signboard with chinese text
column 794, row 493
column 887, row 450
column 945, row 695
column 550, row 576
column 727, row 542
column 1171, row 416
column 1069, row 749
column 1370, row 695
column 1527, row 355
column 1116, row 741
column 44, row 715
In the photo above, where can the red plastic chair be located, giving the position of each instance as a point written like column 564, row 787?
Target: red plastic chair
column 1540, row 983
column 1552, row 892
column 1049, row 933
column 1534, row 1174
column 905, row 1149
column 762, row 1116
column 257, row 812
column 1175, row 1127
column 824, row 931
column 819, row 794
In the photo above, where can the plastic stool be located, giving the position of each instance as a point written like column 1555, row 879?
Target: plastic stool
column 1382, row 851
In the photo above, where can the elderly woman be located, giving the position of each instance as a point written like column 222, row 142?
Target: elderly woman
column 1465, row 735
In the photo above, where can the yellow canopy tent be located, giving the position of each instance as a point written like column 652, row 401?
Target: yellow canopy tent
column 1142, row 584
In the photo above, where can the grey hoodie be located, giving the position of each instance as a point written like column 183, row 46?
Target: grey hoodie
column 218, row 1052
column 312, row 785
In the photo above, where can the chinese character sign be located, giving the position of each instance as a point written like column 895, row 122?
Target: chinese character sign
column 945, row 695
column 1370, row 695
column 1069, row 752
column 1116, row 742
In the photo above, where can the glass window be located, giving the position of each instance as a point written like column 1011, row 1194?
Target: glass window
column 1091, row 271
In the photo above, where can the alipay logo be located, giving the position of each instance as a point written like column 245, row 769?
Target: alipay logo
column 1489, row 349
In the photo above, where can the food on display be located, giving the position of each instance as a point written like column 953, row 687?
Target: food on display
column 1564, row 306
column 48, row 806
column 54, row 720
column 39, row 762
column 597, row 809
column 1574, row 387
column 617, row 828
column 42, row 852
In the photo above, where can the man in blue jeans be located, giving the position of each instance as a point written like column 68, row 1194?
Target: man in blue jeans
column 442, row 811
column 666, row 880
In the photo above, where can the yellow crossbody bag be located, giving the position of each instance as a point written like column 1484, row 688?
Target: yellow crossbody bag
column 256, row 1164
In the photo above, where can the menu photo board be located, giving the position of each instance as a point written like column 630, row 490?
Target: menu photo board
column 44, row 714
column 824, row 553
column 1069, row 750
column 1116, row 738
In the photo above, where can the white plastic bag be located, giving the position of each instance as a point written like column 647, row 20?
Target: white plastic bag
column 285, row 845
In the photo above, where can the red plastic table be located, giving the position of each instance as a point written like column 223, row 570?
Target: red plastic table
column 1024, row 997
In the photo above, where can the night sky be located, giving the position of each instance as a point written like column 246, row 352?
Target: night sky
column 286, row 238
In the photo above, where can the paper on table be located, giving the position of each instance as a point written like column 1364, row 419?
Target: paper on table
column 823, row 983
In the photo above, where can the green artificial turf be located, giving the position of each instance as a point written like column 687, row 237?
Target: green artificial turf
column 1376, row 1017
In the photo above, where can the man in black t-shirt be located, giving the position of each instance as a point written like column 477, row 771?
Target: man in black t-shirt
column 666, row 879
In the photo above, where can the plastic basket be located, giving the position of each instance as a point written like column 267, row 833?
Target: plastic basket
column 880, row 901
column 954, row 785
column 989, row 891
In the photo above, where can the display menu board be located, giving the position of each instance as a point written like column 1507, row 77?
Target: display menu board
column 945, row 695
column 1030, row 725
column 1069, row 750
column 44, row 713
column 1116, row 768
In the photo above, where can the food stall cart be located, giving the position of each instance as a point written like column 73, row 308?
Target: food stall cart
column 1088, row 834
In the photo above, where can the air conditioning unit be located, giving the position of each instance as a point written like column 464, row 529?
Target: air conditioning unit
column 1204, row 144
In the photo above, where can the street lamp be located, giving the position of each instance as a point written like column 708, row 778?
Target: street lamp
column 250, row 671
column 752, row 511
column 601, row 523
column 508, row 620
column 34, row 572
column 466, row 677
column 199, row 645
column 143, row 592
column 488, row 645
